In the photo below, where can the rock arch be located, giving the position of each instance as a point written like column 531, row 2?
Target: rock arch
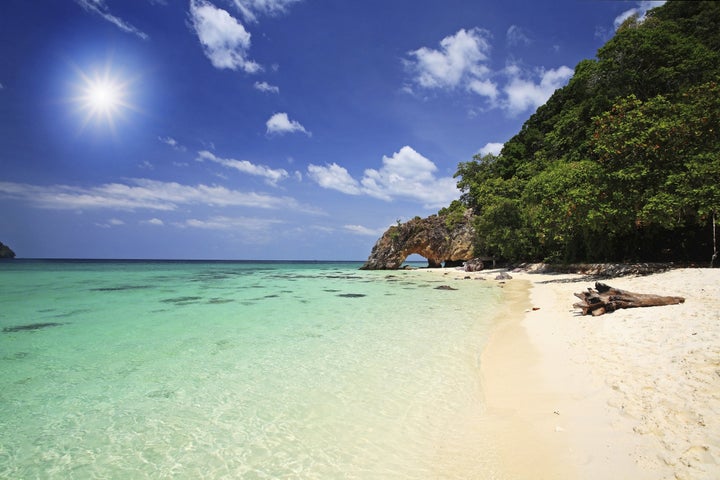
column 429, row 237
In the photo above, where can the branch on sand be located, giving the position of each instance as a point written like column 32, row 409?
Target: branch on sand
column 606, row 299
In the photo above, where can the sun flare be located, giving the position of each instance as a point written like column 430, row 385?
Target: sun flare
column 102, row 98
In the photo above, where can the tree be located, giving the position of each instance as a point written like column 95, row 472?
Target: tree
column 663, row 157
column 621, row 163
column 568, row 211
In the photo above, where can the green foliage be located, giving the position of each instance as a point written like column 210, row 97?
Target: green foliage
column 454, row 214
column 664, row 155
column 564, row 206
column 394, row 233
column 623, row 162
column 502, row 231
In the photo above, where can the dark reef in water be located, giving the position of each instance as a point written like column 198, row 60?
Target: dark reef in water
column 30, row 327
column 181, row 300
column 120, row 288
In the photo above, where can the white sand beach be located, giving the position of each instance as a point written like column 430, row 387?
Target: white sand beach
column 633, row 394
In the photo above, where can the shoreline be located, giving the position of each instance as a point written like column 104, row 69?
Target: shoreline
column 634, row 394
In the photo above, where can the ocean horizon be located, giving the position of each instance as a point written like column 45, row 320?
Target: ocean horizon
column 135, row 368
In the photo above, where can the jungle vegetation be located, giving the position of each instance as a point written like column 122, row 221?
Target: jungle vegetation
column 621, row 164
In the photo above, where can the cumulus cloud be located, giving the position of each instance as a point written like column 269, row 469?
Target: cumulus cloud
column 251, row 9
column 409, row 175
column 272, row 176
column 491, row 148
column 143, row 194
column 99, row 7
column 266, row 87
column 458, row 60
column 461, row 64
column 224, row 40
column 280, row 124
column 640, row 11
column 523, row 92
column 334, row 177
column 484, row 88
column 406, row 174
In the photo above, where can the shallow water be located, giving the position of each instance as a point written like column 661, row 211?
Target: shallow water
column 235, row 370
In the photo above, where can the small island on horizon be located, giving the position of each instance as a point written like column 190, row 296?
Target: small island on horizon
column 6, row 252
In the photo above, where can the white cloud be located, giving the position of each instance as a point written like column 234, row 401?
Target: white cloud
column 249, row 230
column 461, row 63
column 365, row 231
column 516, row 36
column 100, row 8
column 113, row 222
column 230, row 223
column 458, row 60
column 334, row 177
column 272, row 176
column 251, row 9
column 484, row 88
column 143, row 194
column 156, row 222
column 224, row 40
column 640, row 11
column 280, row 123
column 266, row 87
column 522, row 93
column 406, row 174
column 173, row 143
column 491, row 148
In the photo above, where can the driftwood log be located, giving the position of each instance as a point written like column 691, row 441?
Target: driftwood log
column 605, row 298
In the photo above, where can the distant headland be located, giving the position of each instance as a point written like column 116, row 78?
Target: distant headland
column 6, row 252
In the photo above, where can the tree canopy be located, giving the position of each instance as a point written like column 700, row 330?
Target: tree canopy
column 623, row 163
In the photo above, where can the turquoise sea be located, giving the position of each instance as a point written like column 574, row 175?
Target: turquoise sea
column 250, row 370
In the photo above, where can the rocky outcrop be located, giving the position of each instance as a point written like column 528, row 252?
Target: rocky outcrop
column 6, row 252
column 430, row 237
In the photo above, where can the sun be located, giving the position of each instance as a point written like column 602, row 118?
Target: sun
column 102, row 97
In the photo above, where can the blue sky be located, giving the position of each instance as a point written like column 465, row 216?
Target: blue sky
column 262, row 129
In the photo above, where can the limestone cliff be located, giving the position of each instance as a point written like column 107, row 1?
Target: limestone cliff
column 430, row 237
column 6, row 252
